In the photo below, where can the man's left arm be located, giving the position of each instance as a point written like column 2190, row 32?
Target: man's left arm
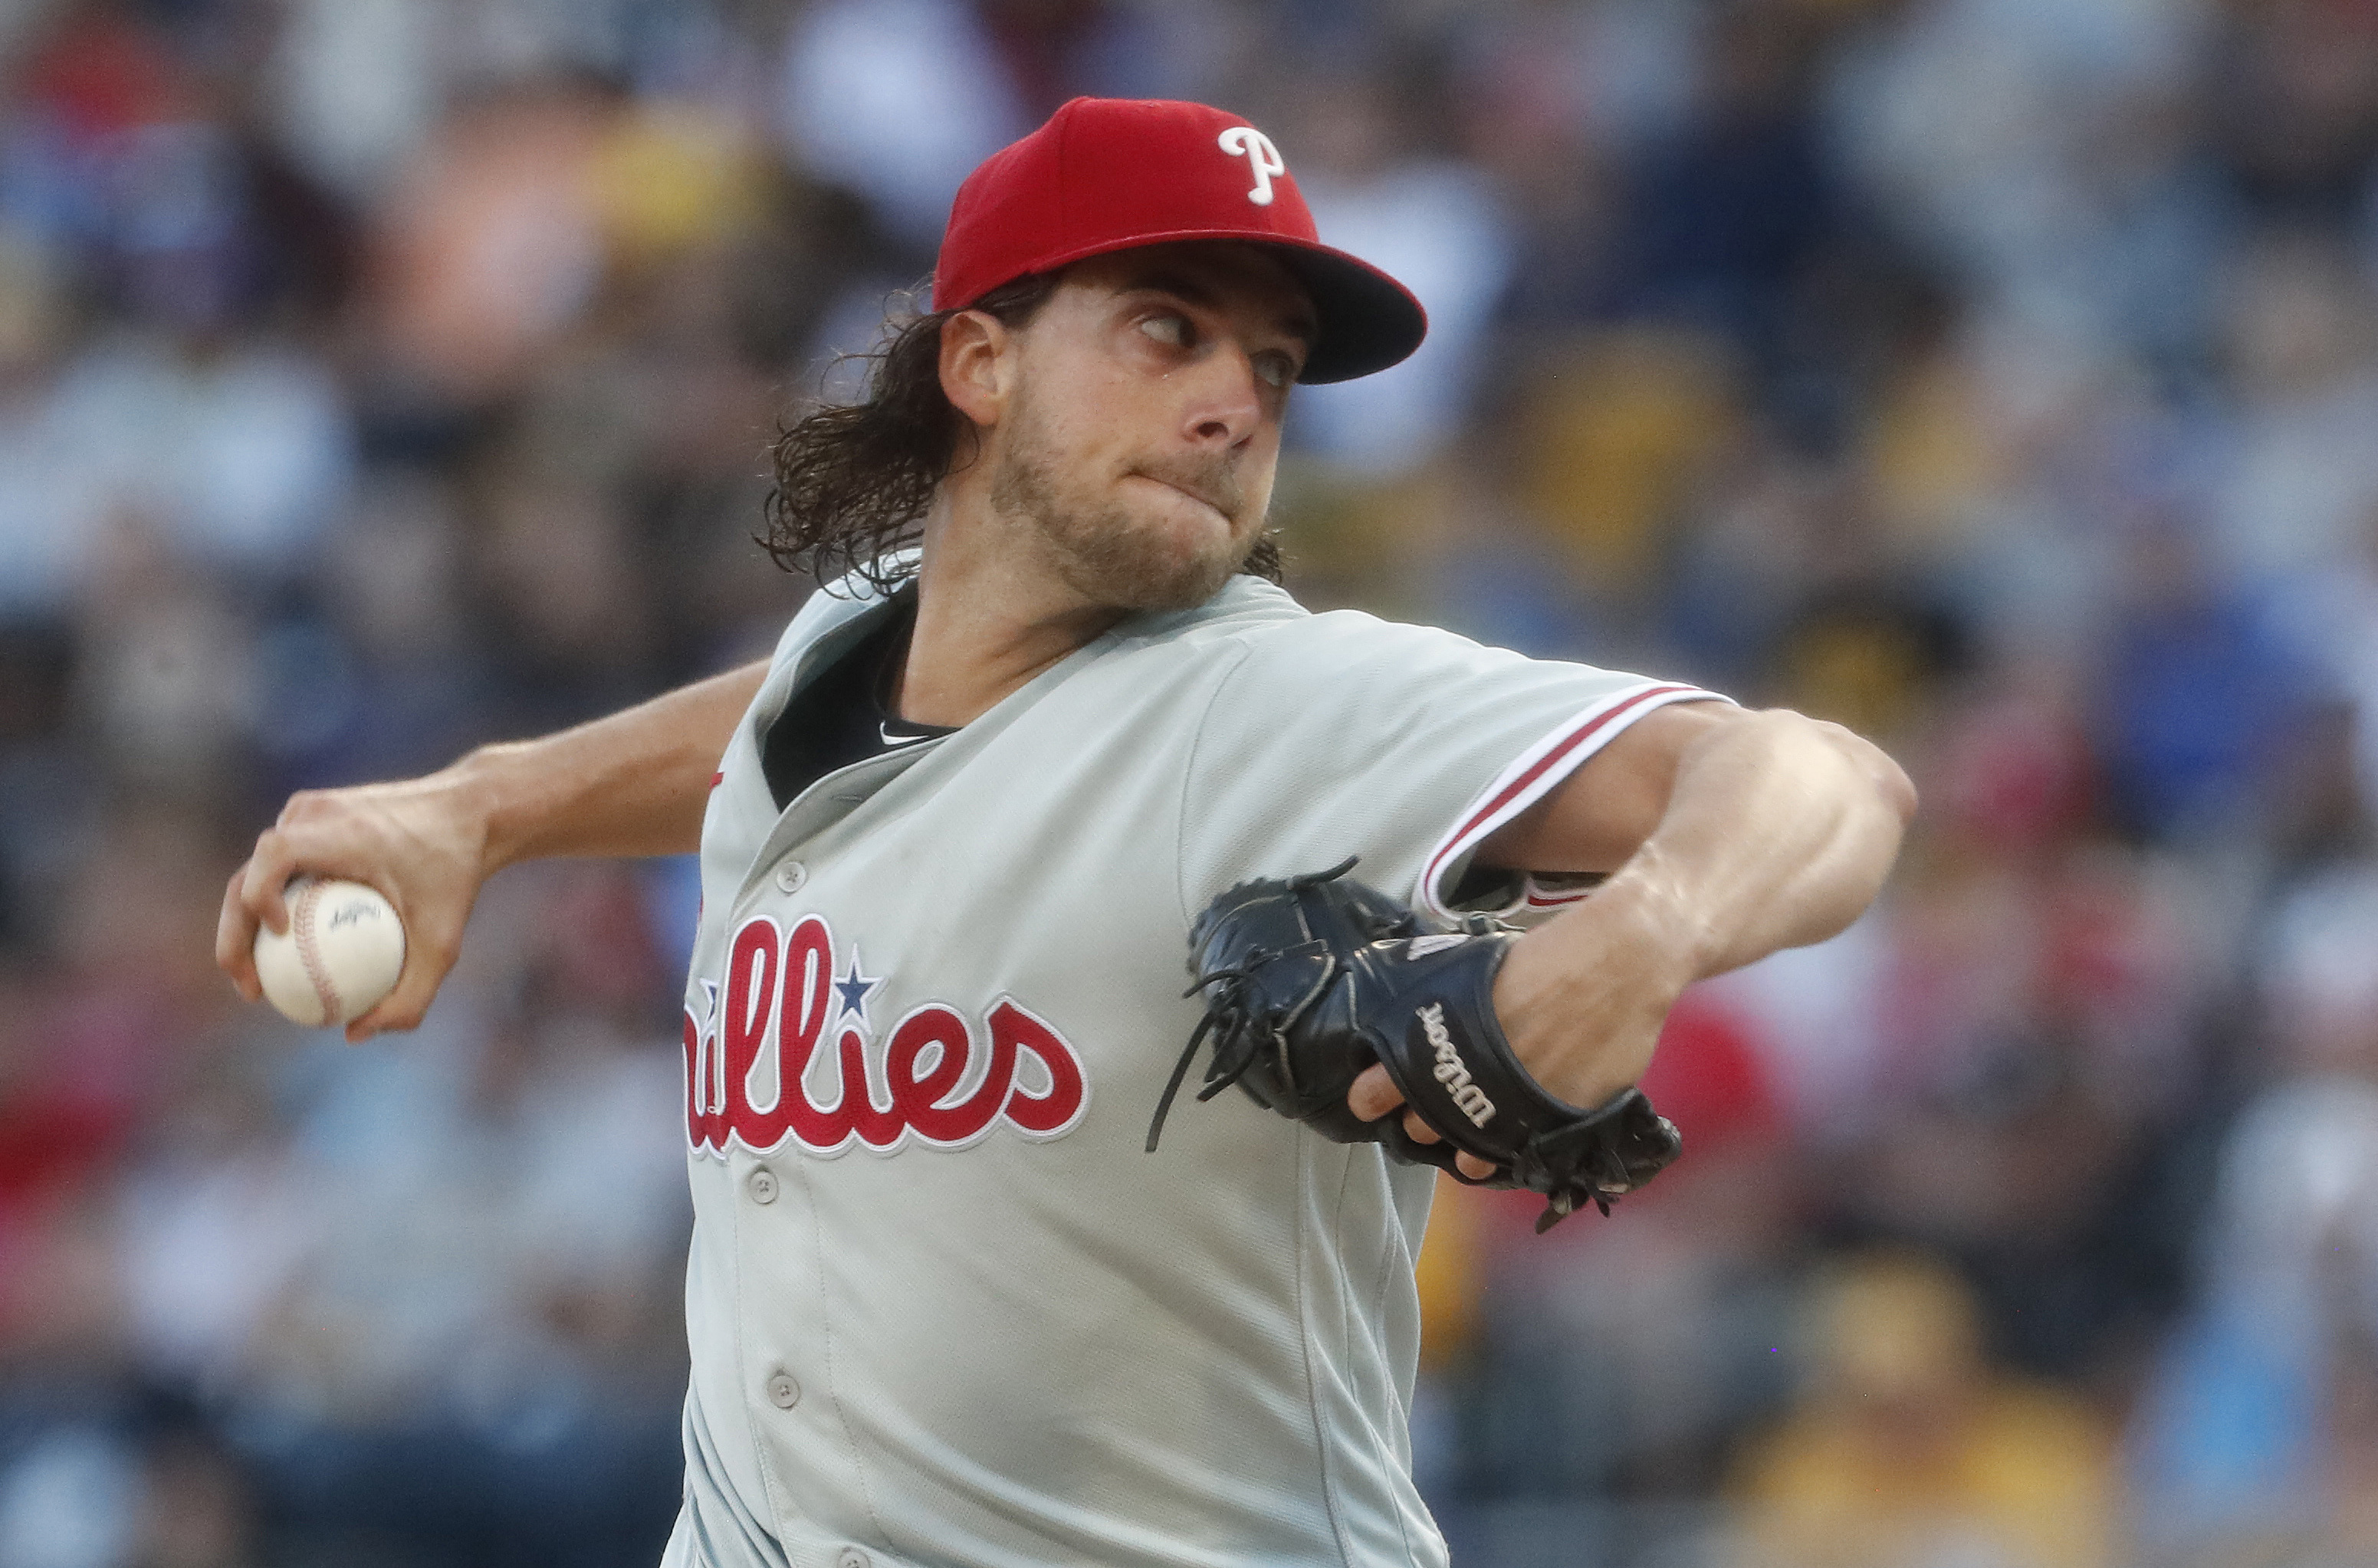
column 1727, row 835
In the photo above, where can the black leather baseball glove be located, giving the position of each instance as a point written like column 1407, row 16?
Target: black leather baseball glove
column 1309, row 980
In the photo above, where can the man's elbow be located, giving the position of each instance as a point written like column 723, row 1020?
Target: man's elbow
column 1890, row 780
column 1891, row 785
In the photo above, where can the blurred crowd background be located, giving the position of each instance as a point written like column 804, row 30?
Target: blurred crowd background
column 1999, row 377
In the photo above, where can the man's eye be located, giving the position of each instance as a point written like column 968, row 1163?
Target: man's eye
column 1277, row 369
column 1170, row 331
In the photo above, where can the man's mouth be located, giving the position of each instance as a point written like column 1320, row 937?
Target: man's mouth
column 1206, row 496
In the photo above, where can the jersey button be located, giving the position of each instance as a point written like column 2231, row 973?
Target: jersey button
column 783, row 1391
column 850, row 1557
column 763, row 1186
column 790, row 876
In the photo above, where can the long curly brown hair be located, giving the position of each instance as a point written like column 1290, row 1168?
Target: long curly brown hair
column 853, row 481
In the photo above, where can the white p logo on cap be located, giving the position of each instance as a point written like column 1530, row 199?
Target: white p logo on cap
column 1245, row 141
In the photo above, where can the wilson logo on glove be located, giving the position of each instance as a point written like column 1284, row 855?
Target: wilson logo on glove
column 1452, row 1072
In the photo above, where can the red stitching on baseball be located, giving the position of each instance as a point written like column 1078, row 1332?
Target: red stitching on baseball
column 301, row 925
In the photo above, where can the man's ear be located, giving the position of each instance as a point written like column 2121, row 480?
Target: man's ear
column 977, row 366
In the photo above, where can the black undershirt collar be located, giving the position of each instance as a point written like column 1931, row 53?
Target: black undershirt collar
column 845, row 714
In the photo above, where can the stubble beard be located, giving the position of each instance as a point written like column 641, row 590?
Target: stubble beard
column 1103, row 552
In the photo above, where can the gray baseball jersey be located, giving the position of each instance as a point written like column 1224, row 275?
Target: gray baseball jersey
column 943, row 1308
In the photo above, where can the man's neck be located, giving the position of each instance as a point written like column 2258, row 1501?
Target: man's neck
column 990, row 617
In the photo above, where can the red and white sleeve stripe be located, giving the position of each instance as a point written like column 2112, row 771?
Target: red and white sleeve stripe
column 1531, row 777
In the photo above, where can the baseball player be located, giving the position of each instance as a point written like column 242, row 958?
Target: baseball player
column 944, row 1306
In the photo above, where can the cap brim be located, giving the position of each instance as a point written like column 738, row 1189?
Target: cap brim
column 1368, row 321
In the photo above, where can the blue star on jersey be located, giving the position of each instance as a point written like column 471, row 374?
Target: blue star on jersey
column 853, row 988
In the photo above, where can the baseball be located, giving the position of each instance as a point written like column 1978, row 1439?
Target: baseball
column 343, row 953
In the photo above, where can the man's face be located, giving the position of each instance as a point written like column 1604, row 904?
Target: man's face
column 1143, row 434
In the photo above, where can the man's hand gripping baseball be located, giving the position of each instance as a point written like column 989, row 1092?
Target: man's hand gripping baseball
column 423, row 842
column 633, row 783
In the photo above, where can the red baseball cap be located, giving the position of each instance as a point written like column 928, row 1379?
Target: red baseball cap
column 1112, row 174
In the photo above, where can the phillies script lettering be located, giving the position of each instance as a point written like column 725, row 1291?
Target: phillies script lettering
column 754, row 1072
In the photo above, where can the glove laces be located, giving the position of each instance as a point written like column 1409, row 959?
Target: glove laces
column 1238, row 1034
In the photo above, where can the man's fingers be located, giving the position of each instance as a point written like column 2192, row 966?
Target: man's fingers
column 266, row 872
column 403, row 1008
column 236, row 939
column 428, row 955
column 1374, row 1093
column 1421, row 1133
column 390, row 1015
column 315, row 847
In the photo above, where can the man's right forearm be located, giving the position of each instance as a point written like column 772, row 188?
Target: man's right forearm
column 633, row 783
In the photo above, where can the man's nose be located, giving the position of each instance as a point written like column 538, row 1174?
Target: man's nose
column 1226, row 405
